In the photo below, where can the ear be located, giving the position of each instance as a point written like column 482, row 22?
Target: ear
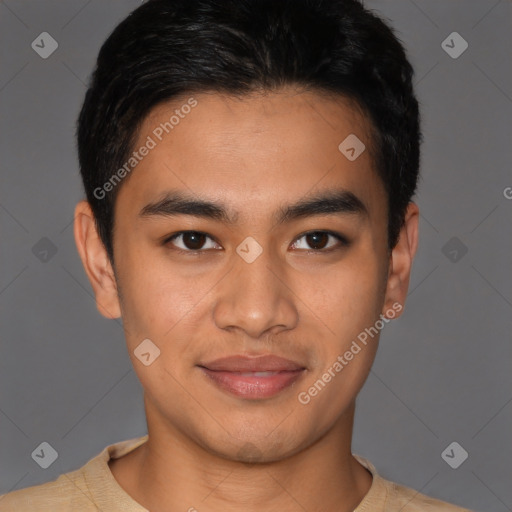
column 400, row 263
column 96, row 262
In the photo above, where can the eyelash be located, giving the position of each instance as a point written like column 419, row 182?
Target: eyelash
column 341, row 239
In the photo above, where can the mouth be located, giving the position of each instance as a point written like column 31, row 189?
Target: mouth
column 253, row 377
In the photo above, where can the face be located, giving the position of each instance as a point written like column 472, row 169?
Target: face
column 252, row 253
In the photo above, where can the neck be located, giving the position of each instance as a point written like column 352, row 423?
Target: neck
column 172, row 472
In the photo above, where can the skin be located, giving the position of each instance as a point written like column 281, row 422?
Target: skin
column 209, row 450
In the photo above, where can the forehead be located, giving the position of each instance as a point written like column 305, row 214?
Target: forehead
column 254, row 150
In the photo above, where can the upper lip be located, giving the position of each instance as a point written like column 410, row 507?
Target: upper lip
column 264, row 363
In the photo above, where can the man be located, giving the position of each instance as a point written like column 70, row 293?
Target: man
column 249, row 167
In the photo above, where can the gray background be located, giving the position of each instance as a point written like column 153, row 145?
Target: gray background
column 443, row 370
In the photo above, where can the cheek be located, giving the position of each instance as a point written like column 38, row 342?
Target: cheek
column 165, row 304
column 348, row 298
column 347, row 303
column 153, row 299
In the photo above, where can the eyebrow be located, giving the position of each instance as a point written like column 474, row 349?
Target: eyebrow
column 335, row 202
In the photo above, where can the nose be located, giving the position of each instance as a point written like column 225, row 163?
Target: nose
column 256, row 298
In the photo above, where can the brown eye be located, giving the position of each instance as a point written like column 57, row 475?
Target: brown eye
column 191, row 241
column 321, row 241
column 317, row 239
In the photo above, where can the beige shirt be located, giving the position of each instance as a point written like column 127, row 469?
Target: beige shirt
column 93, row 488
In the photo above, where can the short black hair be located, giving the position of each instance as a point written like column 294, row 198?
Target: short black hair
column 166, row 49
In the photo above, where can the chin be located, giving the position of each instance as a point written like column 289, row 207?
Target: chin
column 257, row 446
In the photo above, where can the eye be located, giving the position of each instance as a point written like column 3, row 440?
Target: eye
column 319, row 241
column 191, row 241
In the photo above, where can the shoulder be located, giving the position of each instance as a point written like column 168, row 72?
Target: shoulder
column 387, row 496
column 67, row 492
column 89, row 488
column 406, row 499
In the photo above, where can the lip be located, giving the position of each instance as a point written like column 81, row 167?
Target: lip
column 262, row 363
column 253, row 377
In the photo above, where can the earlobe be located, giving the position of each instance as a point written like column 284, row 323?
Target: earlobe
column 400, row 264
column 96, row 262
